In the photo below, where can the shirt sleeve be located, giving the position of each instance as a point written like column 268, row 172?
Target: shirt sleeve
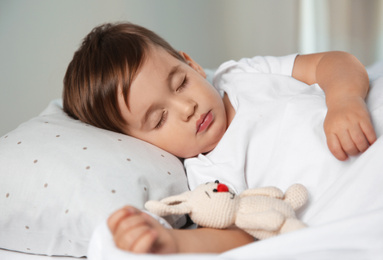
column 276, row 65
column 282, row 65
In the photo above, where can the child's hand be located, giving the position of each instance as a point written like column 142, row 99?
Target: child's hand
column 137, row 232
column 348, row 127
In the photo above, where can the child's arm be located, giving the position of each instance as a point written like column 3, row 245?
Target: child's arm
column 137, row 232
column 344, row 80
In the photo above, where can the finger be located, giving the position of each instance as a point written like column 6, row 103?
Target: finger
column 347, row 144
column 114, row 219
column 129, row 231
column 369, row 132
column 335, row 147
column 145, row 242
column 164, row 243
column 129, row 224
column 360, row 141
column 127, row 240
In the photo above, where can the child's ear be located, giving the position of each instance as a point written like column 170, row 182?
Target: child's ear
column 193, row 64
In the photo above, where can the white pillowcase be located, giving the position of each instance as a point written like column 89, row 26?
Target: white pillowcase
column 61, row 177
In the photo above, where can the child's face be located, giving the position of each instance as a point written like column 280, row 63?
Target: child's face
column 173, row 106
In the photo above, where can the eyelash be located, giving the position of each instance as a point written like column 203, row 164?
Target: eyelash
column 162, row 120
column 163, row 116
column 183, row 84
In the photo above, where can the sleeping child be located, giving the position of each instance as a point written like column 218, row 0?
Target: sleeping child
column 241, row 129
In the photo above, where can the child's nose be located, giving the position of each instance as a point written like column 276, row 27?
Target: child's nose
column 186, row 108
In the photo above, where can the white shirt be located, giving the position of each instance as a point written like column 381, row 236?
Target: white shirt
column 276, row 137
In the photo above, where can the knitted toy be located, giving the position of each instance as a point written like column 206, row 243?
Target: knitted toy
column 261, row 212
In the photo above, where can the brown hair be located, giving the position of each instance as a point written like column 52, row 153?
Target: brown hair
column 108, row 58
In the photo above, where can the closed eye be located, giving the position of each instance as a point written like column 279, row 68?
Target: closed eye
column 207, row 194
column 183, row 84
column 162, row 120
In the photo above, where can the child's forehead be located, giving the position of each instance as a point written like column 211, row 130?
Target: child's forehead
column 159, row 63
column 158, row 68
column 159, row 54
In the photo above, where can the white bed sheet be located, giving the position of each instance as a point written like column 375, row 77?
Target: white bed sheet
column 353, row 238
column 357, row 232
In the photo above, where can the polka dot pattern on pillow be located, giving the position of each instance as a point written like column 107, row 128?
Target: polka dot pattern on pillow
column 61, row 177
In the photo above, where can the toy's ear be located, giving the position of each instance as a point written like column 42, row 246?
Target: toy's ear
column 176, row 205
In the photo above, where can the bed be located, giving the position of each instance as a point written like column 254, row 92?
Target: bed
column 62, row 178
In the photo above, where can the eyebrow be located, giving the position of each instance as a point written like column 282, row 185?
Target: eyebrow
column 174, row 70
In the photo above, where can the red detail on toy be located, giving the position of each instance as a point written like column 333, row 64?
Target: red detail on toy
column 222, row 188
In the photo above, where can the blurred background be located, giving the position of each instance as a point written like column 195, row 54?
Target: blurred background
column 38, row 38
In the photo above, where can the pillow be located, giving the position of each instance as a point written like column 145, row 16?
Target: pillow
column 61, row 177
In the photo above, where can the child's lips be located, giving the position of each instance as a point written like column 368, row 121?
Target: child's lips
column 204, row 122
